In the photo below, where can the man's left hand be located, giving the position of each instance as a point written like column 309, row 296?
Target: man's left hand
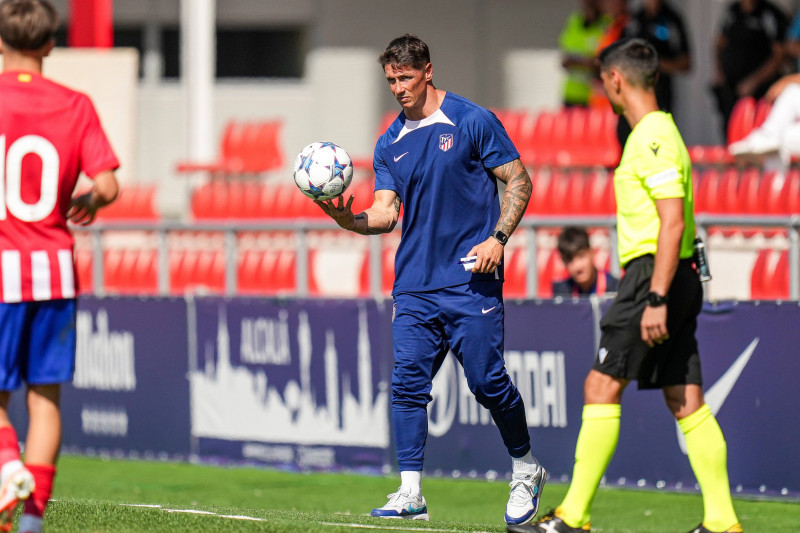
column 489, row 254
column 654, row 325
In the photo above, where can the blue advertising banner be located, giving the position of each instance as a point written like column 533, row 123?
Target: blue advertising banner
column 301, row 383
column 129, row 395
column 306, row 385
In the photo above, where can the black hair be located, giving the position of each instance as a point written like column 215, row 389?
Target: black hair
column 571, row 241
column 636, row 59
column 406, row 51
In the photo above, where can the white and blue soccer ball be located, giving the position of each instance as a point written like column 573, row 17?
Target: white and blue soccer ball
column 323, row 170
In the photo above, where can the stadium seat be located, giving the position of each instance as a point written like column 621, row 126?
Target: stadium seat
column 245, row 148
column 742, row 119
column 83, row 270
column 135, row 202
column 769, row 279
column 540, row 149
column 791, row 189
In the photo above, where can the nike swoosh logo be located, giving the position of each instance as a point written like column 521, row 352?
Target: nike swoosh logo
column 399, row 157
column 484, row 311
column 719, row 391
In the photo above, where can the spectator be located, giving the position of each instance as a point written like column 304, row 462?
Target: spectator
column 584, row 277
column 749, row 53
column 579, row 41
column 656, row 21
column 778, row 138
column 793, row 41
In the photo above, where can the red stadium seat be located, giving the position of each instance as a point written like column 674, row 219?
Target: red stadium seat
column 742, row 119
column 769, row 279
column 540, row 150
column 245, row 148
column 792, row 192
column 135, row 202
column 83, row 269
column 758, row 290
column 763, row 107
column 514, row 272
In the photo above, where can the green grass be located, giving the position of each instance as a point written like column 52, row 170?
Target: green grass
column 90, row 492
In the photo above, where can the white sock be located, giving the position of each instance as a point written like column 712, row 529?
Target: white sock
column 525, row 463
column 9, row 468
column 412, row 481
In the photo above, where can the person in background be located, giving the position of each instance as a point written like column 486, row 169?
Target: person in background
column 648, row 332
column 777, row 139
column 749, row 53
column 579, row 42
column 49, row 135
column 578, row 257
column 657, row 22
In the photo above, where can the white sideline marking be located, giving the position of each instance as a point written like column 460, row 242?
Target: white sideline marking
column 141, row 505
column 256, row 519
column 370, row 526
column 242, row 517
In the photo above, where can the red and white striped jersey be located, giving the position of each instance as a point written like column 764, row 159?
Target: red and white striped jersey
column 48, row 135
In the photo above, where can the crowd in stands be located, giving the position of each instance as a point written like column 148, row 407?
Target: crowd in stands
column 570, row 152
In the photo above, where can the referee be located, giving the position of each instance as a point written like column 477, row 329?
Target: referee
column 649, row 330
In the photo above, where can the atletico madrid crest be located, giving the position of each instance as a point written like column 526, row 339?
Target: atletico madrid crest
column 445, row 142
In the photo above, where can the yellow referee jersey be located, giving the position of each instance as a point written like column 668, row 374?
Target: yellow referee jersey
column 655, row 165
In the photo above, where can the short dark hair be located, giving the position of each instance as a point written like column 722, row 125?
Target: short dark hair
column 571, row 241
column 27, row 24
column 636, row 58
column 406, row 51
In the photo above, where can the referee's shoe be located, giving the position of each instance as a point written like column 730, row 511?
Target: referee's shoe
column 737, row 528
column 549, row 523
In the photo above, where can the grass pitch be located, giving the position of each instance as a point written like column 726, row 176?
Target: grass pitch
column 96, row 495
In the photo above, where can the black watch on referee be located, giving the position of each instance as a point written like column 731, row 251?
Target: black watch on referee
column 501, row 237
column 656, row 300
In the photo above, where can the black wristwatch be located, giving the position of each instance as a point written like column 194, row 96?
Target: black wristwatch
column 501, row 237
column 656, row 300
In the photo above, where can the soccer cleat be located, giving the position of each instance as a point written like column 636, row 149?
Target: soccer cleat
column 17, row 486
column 402, row 504
column 525, row 494
column 737, row 528
column 549, row 523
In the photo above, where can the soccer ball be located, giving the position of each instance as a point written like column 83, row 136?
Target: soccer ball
column 323, row 170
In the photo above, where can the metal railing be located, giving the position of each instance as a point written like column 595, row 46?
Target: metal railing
column 301, row 228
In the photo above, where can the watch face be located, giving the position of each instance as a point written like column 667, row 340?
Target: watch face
column 500, row 236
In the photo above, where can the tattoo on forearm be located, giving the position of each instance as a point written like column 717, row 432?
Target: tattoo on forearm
column 518, row 192
column 397, row 204
column 366, row 230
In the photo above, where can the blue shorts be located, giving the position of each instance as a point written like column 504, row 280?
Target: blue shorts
column 37, row 343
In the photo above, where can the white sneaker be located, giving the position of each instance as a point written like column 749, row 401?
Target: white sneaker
column 758, row 142
column 29, row 524
column 16, row 483
column 526, row 492
column 403, row 505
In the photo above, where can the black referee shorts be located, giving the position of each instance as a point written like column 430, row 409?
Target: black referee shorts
column 623, row 353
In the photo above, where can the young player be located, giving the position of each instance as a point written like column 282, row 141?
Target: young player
column 578, row 257
column 442, row 158
column 648, row 333
column 48, row 135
